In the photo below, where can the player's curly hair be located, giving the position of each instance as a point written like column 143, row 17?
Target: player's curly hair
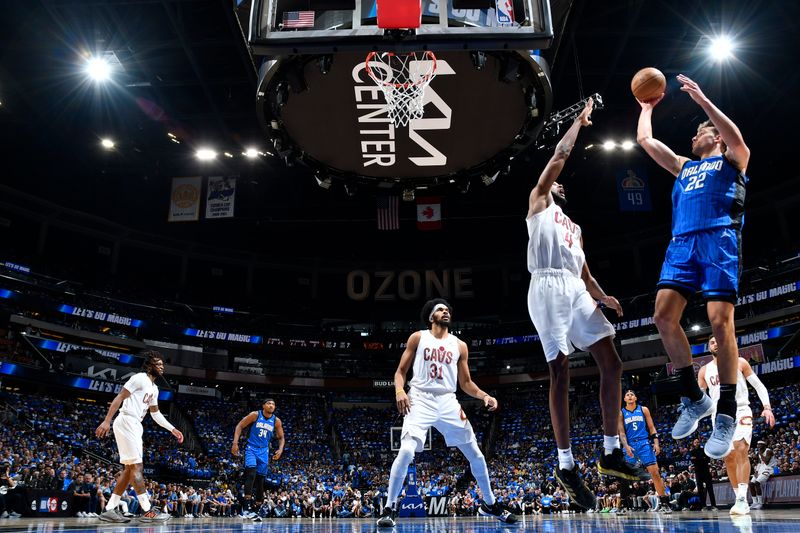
column 150, row 358
column 428, row 307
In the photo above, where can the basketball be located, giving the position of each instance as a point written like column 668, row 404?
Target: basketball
column 648, row 84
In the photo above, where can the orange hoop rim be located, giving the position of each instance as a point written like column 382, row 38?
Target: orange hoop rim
column 424, row 80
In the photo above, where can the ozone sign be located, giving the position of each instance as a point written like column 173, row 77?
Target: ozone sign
column 340, row 120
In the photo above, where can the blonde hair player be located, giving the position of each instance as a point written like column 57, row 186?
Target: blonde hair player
column 439, row 362
column 737, row 462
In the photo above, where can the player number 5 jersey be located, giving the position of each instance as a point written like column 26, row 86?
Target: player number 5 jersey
column 436, row 363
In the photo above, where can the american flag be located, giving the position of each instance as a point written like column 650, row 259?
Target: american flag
column 388, row 212
column 298, row 19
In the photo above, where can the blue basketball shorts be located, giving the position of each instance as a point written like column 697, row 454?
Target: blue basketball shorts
column 257, row 458
column 709, row 261
column 643, row 451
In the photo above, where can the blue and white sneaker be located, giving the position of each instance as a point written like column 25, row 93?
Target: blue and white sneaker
column 690, row 415
column 720, row 443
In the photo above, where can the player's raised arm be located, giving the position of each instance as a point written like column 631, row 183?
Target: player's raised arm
column 737, row 153
column 400, row 396
column 540, row 195
column 660, row 152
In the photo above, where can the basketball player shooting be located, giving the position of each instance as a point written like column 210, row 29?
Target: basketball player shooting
column 703, row 255
column 439, row 361
column 564, row 303
column 737, row 463
column 138, row 396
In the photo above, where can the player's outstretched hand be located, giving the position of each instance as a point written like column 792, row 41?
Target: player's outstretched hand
column 102, row 430
column 768, row 417
column 612, row 303
column 178, row 435
column 403, row 403
column 690, row 87
column 490, row 402
column 585, row 118
column 277, row 455
column 650, row 104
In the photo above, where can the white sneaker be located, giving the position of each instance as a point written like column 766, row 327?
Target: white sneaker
column 740, row 507
column 14, row 514
column 4, row 515
column 81, row 514
column 756, row 505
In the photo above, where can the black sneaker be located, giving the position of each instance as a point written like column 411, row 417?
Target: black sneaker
column 387, row 518
column 578, row 492
column 497, row 511
column 614, row 464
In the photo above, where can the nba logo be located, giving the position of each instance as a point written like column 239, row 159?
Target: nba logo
column 505, row 12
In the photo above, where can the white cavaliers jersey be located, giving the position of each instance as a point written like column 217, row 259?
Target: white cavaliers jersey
column 436, row 363
column 554, row 241
column 770, row 466
column 144, row 394
column 712, row 382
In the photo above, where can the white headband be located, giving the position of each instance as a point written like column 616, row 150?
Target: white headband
column 436, row 308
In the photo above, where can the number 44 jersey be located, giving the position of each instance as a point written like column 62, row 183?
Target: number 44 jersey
column 436, row 363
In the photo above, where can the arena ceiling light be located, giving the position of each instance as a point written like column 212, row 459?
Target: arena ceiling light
column 627, row 145
column 609, row 145
column 696, row 327
column 98, row 68
column 721, row 48
column 206, row 154
column 250, row 153
column 106, row 143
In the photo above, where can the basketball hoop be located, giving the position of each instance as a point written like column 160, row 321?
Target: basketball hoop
column 402, row 78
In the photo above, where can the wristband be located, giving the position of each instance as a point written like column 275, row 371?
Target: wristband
column 399, row 391
column 653, row 437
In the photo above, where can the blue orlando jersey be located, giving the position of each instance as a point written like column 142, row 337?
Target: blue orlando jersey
column 261, row 431
column 708, row 194
column 635, row 424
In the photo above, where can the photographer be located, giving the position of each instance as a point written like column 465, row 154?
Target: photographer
column 10, row 499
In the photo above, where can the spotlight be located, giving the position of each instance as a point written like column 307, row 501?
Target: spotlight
column 609, row 145
column 108, row 144
column 488, row 180
column 206, row 154
column 325, row 182
column 696, row 327
column 227, row 154
column 721, row 48
column 98, row 69
column 627, row 145
column 250, row 153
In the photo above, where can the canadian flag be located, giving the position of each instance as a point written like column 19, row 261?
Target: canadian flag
column 429, row 212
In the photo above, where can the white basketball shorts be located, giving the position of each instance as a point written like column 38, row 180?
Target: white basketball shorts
column 763, row 473
column 563, row 313
column 441, row 411
column 128, row 432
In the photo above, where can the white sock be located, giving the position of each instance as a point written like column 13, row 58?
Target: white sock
column 144, row 501
column 741, row 491
column 610, row 443
column 113, row 501
column 565, row 459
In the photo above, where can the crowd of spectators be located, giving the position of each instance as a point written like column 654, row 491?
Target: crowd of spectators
column 336, row 460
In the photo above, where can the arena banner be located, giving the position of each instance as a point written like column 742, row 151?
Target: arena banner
column 220, row 197
column 46, row 503
column 102, row 316
column 410, row 285
column 199, row 391
column 780, row 489
column 437, row 505
column 97, row 370
column 56, row 346
column 184, row 201
column 222, row 336
column 780, row 365
column 634, row 195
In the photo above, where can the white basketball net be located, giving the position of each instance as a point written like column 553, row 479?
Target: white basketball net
column 403, row 79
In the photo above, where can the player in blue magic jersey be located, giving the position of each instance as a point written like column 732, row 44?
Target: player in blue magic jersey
column 636, row 432
column 704, row 255
column 263, row 426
